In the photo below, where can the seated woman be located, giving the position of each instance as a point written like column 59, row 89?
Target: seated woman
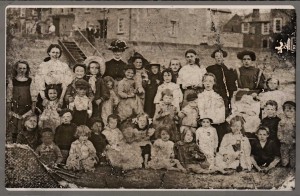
column 265, row 154
column 235, row 149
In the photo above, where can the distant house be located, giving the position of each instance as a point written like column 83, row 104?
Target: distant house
column 259, row 28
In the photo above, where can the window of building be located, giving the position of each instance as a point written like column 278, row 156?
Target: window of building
column 72, row 10
column 245, row 27
column 174, row 28
column 121, row 25
column 22, row 12
column 62, row 10
column 265, row 28
column 103, row 29
column 277, row 26
column 252, row 30
column 265, row 43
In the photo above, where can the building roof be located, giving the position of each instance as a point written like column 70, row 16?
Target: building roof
column 228, row 11
column 262, row 17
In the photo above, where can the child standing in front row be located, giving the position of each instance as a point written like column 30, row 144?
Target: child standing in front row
column 162, row 153
column 82, row 105
column 127, row 91
column 82, row 155
column 207, row 140
column 287, row 134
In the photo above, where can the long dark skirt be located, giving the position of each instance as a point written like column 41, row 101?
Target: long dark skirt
column 80, row 117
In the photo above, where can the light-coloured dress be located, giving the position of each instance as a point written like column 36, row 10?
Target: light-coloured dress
column 82, row 156
column 177, row 94
column 51, row 72
column 207, row 140
column 227, row 149
column 50, row 117
column 128, row 106
column 161, row 154
column 211, row 105
column 119, row 153
column 249, row 110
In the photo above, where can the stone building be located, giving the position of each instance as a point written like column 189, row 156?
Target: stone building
column 180, row 25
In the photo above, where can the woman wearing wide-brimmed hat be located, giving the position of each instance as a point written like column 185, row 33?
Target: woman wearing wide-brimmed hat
column 226, row 78
column 249, row 77
column 115, row 66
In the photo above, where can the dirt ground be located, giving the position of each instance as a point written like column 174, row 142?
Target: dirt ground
column 24, row 171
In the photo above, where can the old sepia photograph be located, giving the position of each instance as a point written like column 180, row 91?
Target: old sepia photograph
column 150, row 97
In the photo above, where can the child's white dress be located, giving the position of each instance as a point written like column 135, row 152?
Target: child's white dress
column 82, row 155
column 207, row 140
column 177, row 94
column 211, row 105
column 50, row 117
column 119, row 153
column 227, row 149
column 161, row 154
column 249, row 110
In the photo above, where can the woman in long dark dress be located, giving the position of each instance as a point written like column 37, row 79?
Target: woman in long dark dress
column 151, row 88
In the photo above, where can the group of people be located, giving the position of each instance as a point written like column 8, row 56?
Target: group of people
column 138, row 114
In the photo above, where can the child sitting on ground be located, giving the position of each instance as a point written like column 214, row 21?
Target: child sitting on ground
column 82, row 155
column 162, row 153
column 271, row 120
column 287, row 134
column 141, row 135
column 48, row 152
column 64, row 133
column 190, row 155
column 265, row 153
column 207, row 140
column 98, row 139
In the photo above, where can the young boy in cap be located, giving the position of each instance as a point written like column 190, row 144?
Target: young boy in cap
column 225, row 78
column 287, row 134
column 189, row 115
column 115, row 66
column 64, row 133
column 249, row 77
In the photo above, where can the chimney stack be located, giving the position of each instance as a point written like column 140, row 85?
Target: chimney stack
column 255, row 14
